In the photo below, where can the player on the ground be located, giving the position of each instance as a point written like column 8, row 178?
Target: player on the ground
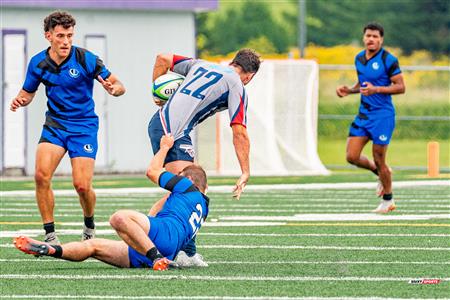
column 148, row 242
column 71, row 125
column 379, row 77
column 208, row 88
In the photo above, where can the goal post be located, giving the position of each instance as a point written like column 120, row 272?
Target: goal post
column 282, row 118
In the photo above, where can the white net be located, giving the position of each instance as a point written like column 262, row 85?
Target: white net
column 281, row 123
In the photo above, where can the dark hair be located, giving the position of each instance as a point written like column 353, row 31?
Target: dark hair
column 374, row 26
column 58, row 18
column 248, row 60
column 197, row 175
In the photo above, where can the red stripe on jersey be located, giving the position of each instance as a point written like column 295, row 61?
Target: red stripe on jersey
column 239, row 118
column 163, row 121
column 176, row 59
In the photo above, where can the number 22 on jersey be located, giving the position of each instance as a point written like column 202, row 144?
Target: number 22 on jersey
column 196, row 219
column 201, row 72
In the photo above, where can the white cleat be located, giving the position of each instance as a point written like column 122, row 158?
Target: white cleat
column 385, row 207
column 52, row 239
column 193, row 261
column 88, row 233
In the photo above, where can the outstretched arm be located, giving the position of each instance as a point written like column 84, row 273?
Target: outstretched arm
column 23, row 98
column 241, row 144
column 112, row 85
column 156, row 165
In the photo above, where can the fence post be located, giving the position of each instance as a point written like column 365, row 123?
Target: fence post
column 433, row 159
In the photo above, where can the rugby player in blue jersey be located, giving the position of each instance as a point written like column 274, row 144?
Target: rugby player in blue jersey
column 148, row 242
column 208, row 88
column 71, row 125
column 379, row 77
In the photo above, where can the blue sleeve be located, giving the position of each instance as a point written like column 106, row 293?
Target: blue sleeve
column 392, row 65
column 96, row 66
column 32, row 79
column 174, row 183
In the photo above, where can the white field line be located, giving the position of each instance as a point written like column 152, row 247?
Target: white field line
column 131, row 202
column 256, row 263
column 68, row 232
column 206, row 278
column 256, row 188
column 334, row 217
column 54, row 296
column 296, row 247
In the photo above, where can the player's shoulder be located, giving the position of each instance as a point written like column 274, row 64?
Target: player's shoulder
column 38, row 57
column 389, row 56
column 362, row 53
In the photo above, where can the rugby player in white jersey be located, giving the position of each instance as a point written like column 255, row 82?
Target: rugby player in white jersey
column 208, row 88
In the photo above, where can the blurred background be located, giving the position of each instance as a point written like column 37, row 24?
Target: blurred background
column 129, row 34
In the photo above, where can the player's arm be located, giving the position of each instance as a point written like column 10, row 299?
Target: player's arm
column 241, row 144
column 162, row 64
column 112, row 85
column 344, row 90
column 397, row 87
column 156, row 165
column 23, row 98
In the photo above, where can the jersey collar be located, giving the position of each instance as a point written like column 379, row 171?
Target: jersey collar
column 53, row 64
column 362, row 58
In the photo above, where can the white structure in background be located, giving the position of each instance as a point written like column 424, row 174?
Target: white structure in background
column 127, row 35
column 282, row 124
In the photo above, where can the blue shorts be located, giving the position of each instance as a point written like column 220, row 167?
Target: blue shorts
column 379, row 130
column 182, row 148
column 167, row 236
column 77, row 144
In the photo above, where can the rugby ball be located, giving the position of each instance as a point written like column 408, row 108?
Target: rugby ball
column 165, row 85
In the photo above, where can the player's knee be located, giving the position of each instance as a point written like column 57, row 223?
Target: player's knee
column 42, row 178
column 118, row 220
column 352, row 158
column 81, row 186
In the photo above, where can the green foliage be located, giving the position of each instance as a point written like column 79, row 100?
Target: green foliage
column 409, row 24
column 248, row 23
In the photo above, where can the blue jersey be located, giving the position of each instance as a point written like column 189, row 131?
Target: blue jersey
column 378, row 70
column 186, row 205
column 68, row 87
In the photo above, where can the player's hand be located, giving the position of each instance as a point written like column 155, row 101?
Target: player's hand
column 108, row 86
column 342, row 91
column 166, row 142
column 368, row 89
column 240, row 185
column 158, row 101
column 18, row 102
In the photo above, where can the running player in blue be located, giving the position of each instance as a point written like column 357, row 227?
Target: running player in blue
column 71, row 125
column 208, row 88
column 379, row 77
column 148, row 242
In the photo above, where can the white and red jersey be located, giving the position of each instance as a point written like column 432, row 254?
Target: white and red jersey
column 207, row 89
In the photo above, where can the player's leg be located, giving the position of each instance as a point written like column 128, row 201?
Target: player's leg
column 111, row 252
column 82, row 174
column 82, row 150
column 382, row 132
column 48, row 157
column 355, row 145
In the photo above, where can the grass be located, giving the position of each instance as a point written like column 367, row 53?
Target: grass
column 332, row 258
column 401, row 153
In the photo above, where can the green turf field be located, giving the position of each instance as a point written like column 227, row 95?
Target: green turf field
column 272, row 244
